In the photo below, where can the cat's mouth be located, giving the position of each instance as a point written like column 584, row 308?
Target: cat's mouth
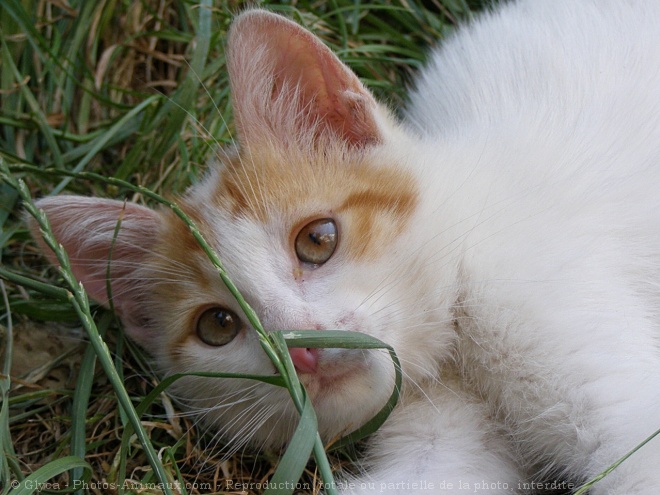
column 320, row 385
column 322, row 374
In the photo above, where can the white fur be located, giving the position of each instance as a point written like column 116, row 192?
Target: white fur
column 540, row 132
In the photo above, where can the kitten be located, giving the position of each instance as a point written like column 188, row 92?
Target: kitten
column 504, row 238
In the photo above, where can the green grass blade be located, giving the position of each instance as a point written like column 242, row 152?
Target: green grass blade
column 78, row 299
column 293, row 462
column 338, row 339
column 27, row 26
column 35, row 108
column 166, row 125
column 6, row 447
column 50, row 290
column 102, row 141
column 40, row 478
column 81, row 401
column 8, row 199
column 167, row 382
column 299, row 397
column 589, row 484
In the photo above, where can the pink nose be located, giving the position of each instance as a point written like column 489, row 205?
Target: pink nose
column 305, row 360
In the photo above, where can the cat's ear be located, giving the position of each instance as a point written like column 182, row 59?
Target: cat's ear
column 104, row 237
column 288, row 86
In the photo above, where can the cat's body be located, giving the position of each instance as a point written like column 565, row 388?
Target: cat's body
column 505, row 240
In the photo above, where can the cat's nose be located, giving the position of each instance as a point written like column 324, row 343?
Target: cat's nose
column 305, row 360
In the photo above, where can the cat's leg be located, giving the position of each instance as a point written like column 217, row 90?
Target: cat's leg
column 575, row 374
column 625, row 411
column 441, row 442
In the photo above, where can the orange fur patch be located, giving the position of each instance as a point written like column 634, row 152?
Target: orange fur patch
column 374, row 201
column 177, row 233
column 178, row 256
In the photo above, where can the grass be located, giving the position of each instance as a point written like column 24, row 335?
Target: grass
column 135, row 92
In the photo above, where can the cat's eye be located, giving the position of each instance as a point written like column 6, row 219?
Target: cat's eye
column 317, row 241
column 218, row 326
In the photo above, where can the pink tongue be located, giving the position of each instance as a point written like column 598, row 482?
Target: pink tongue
column 305, row 360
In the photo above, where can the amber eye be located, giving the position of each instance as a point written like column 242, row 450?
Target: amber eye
column 316, row 241
column 218, row 326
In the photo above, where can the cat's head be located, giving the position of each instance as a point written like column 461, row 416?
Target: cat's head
column 314, row 217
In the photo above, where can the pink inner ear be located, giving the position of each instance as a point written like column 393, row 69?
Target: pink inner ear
column 334, row 94
column 281, row 73
column 86, row 229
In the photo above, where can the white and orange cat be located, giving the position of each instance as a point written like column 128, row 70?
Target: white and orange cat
column 504, row 239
